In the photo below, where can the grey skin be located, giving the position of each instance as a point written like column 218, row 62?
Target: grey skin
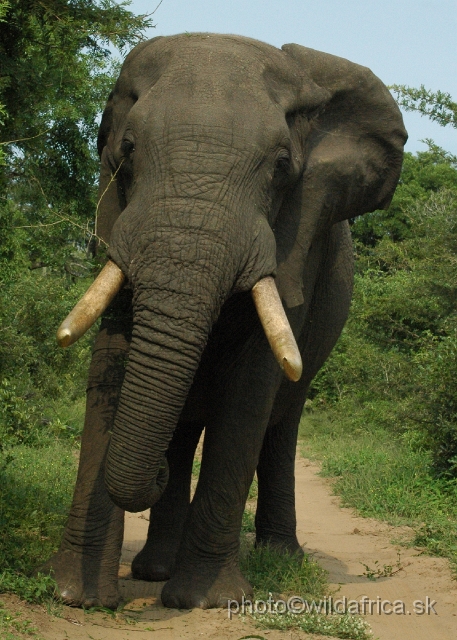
column 232, row 160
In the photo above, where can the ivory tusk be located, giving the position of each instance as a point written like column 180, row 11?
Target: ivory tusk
column 91, row 306
column 277, row 328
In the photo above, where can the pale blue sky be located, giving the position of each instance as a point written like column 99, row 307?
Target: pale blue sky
column 410, row 42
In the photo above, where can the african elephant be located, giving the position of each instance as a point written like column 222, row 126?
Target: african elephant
column 224, row 161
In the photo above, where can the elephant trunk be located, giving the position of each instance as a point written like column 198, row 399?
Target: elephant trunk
column 179, row 285
column 159, row 374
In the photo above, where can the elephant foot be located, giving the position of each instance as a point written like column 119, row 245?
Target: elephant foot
column 282, row 545
column 205, row 587
column 155, row 562
column 82, row 581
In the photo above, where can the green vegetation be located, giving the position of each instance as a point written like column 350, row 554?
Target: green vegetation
column 37, row 488
column 57, row 70
column 342, row 625
column 37, row 484
column 382, row 413
column 41, row 386
column 283, row 576
column 277, row 578
column 437, row 106
column 393, row 367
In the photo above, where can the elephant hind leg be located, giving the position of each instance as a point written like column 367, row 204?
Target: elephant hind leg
column 275, row 519
column 156, row 561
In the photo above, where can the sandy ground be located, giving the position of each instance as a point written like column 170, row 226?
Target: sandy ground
column 342, row 542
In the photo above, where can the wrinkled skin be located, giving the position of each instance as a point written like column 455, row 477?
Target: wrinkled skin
column 232, row 160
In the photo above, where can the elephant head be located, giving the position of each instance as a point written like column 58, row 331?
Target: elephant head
column 223, row 161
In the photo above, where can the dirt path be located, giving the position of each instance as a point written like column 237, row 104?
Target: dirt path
column 339, row 540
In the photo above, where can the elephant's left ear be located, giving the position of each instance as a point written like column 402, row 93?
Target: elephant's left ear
column 353, row 149
column 111, row 200
column 358, row 132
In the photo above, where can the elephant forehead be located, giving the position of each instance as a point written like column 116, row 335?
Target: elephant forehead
column 210, row 65
column 208, row 51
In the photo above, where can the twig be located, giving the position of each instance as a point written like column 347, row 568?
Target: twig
column 24, row 139
column 151, row 14
column 113, row 177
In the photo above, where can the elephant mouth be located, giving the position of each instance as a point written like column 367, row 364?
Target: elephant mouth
column 265, row 296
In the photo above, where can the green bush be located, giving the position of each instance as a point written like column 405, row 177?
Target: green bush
column 37, row 485
column 34, row 372
column 394, row 365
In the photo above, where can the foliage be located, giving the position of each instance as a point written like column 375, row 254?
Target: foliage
column 394, row 364
column 437, row 106
column 40, row 588
column 422, row 174
column 35, row 373
column 57, row 68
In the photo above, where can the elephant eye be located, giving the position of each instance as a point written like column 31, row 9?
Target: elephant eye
column 127, row 147
column 282, row 164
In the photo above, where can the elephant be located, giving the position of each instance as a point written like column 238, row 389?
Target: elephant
column 229, row 172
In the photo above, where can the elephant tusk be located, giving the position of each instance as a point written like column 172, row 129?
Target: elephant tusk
column 91, row 306
column 277, row 328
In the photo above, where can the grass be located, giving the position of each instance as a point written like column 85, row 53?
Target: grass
column 283, row 576
column 283, row 582
column 37, row 485
column 386, row 476
column 14, row 627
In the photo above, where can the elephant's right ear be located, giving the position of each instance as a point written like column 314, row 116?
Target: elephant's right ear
column 111, row 199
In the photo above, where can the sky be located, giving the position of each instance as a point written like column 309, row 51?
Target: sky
column 409, row 42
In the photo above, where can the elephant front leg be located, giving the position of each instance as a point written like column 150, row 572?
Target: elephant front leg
column 156, row 560
column 207, row 572
column 87, row 563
